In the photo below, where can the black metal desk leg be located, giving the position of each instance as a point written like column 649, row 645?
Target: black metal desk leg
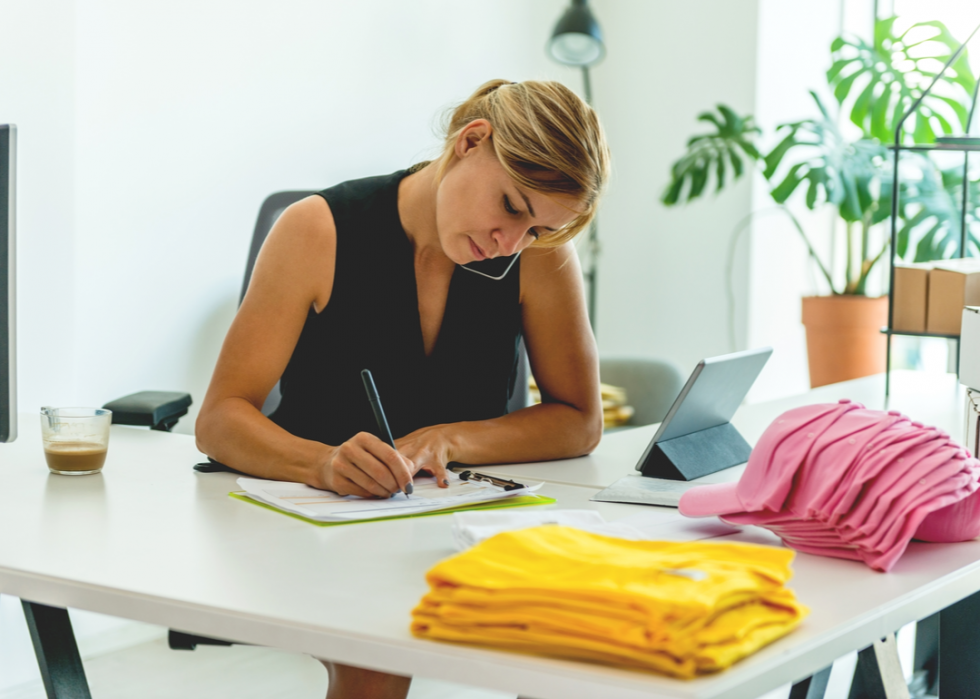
column 925, row 666
column 813, row 687
column 959, row 649
column 57, row 654
column 878, row 674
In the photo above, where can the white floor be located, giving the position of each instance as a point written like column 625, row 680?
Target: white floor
column 153, row 671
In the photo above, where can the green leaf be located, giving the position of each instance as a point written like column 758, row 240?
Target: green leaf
column 699, row 178
column 785, row 188
column 837, row 67
column 879, row 112
column 710, row 153
column 776, row 155
column 843, row 86
column 859, row 113
column 673, row 191
column 930, row 208
column 736, row 163
column 894, row 69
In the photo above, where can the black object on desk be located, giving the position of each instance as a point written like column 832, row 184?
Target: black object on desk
column 158, row 410
column 212, row 466
column 696, row 438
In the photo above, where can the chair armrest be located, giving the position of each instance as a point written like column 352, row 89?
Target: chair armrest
column 158, row 410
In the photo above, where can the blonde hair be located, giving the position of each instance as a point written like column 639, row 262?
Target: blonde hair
column 545, row 137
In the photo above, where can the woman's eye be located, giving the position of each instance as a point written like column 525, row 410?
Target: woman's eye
column 510, row 209
column 534, row 233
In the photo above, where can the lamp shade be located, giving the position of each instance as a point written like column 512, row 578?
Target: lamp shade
column 577, row 39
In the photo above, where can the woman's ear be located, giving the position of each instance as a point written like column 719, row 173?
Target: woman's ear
column 473, row 134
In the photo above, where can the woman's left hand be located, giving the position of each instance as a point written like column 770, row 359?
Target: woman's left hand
column 428, row 449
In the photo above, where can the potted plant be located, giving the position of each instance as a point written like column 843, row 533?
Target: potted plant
column 877, row 82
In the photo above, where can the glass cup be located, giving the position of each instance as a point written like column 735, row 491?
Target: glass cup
column 75, row 439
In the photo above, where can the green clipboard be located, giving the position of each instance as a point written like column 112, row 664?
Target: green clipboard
column 518, row 501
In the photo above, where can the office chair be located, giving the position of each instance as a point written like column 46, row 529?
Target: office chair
column 651, row 385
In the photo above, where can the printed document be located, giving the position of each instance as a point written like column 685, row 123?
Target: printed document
column 326, row 506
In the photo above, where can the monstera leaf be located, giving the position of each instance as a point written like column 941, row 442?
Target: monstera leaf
column 890, row 74
column 732, row 141
column 931, row 214
column 847, row 174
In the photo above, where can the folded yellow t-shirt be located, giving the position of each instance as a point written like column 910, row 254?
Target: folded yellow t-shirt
column 679, row 608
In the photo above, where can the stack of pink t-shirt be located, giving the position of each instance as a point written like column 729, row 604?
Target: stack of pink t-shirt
column 841, row 480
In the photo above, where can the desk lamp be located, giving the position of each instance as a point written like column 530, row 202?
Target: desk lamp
column 577, row 41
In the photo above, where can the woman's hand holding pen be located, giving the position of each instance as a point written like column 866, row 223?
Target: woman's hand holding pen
column 428, row 449
column 368, row 467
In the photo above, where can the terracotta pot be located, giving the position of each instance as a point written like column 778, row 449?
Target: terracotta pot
column 843, row 337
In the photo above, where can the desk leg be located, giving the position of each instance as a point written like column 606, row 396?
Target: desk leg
column 925, row 666
column 813, row 687
column 57, row 654
column 959, row 649
column 878, row 674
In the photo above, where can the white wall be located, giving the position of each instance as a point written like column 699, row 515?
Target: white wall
column 37, row 92
column 662, row 290
column 793, row 54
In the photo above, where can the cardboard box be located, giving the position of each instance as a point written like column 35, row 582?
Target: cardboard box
column 969, row 369
column 911, row 295
column 953, row 284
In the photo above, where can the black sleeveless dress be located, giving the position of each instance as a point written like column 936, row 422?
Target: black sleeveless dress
column 372, row 322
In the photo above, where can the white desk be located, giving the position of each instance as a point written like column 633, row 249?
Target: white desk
column 154, row 541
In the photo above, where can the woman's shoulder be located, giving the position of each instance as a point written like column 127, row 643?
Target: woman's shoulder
column 544, row 268
column 301, row 248
column 308, row 223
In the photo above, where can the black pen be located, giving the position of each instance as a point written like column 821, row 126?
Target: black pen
column 379, row 415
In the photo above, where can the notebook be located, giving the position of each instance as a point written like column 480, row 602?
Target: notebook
column 325, row 507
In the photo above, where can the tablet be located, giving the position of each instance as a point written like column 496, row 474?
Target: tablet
column 711, row 396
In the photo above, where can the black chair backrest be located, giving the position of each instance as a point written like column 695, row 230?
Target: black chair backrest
column 272, row 208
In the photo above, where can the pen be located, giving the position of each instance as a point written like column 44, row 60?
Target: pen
column 379, row 415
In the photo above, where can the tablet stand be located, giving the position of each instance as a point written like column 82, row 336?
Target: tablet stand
column 697, row 454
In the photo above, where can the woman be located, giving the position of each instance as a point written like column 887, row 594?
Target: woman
column 370, row 274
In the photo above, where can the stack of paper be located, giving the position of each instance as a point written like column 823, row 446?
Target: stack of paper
column 470, row 528
column 326, row 506
column 652, row 524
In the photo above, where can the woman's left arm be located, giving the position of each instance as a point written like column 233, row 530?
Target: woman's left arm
column 564, row 360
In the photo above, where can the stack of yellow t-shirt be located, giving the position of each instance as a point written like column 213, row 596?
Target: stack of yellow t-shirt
column 679, row 608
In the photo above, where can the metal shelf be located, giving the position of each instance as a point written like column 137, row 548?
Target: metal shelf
column 897, row 147
column 952, row 147
column 910, row 333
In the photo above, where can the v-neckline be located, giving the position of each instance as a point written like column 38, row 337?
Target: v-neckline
column 417, row 316
column 418, row 313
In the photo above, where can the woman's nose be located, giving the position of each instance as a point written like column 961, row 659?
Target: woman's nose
column 508, row 240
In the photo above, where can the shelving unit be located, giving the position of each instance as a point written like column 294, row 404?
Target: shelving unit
column 897, row 149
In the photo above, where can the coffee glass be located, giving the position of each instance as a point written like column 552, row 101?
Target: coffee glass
column 75, row 439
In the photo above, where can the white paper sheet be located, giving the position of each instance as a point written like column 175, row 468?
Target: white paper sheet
column 651, row 524
column 470, row 528
column 641, row 490
column 326, row 506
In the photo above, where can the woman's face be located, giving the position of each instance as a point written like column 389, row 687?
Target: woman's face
column 481, row 213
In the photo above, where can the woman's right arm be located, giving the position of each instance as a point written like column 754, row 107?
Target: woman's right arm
column 293, row 273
